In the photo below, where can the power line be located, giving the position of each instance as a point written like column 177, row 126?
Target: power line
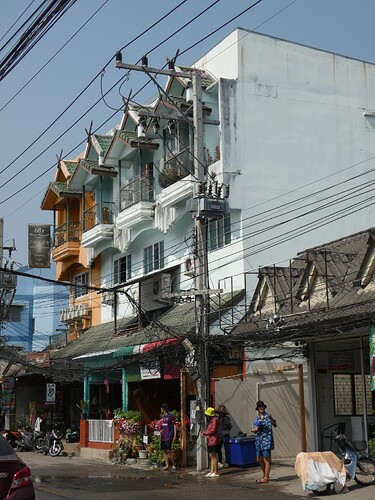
column 54, row 55
column 34, row 34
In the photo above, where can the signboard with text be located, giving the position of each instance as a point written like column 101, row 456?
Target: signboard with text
column 341, row 361
column 39, row 245
column 50, row 393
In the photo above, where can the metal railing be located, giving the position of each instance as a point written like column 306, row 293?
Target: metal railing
column 136, row 190
column 101, row 431
column 100, row 213
column 69, row 231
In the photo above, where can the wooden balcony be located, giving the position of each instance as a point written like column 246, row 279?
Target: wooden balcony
column 67, row 241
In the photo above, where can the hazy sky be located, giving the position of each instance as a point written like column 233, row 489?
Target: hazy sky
column 32, row 132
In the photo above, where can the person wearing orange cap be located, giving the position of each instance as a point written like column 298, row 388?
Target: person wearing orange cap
column 213, row 439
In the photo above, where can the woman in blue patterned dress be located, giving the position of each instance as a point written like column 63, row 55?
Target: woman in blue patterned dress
column 262, row 428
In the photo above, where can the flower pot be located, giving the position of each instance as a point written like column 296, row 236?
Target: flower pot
column 142, row 453
column 84, row 416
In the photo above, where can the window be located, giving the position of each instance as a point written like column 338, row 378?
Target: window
column 219, row 233
column 348, row 394
column 122, row 269
column 14, row 314
column 81, row 282
column 175, row 138
column 153, row 257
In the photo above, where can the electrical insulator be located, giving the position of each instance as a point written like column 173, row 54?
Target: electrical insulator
column 204, row 187
column 199, row 188
column 219, row 191
column 216, row 189
column 226, row 191
column 209, row 190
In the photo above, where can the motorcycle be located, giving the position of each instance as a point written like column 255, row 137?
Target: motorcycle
column 53, row 443
column 11, row 437
column 355, row 466
column 72, row 435
column 30, row 440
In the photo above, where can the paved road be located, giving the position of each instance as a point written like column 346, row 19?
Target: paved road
column 76, row 478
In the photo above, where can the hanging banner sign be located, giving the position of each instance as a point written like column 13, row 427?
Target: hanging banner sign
column 39, row 245
column 372, row 357
column 50, row 393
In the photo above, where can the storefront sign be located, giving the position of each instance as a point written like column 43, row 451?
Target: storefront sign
column 372, row 357
column 50, row 393
column 341, row 361
column 39, row 245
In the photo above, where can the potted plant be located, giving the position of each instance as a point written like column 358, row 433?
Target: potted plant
column 84, row 405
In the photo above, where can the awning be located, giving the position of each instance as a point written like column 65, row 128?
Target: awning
column 131, row 350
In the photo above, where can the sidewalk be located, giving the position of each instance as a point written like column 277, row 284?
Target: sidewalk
column 283, row 476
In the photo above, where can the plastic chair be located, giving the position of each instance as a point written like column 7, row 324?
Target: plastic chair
column 331, row 432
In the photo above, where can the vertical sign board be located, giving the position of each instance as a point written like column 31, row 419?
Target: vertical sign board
column 372, row 357
column 50, row 393
column 39, row 245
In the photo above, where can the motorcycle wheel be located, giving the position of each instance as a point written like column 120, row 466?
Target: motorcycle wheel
column 38, row 444
column 20, row 445
column 324, row 490
column 365, row 471
column 55, row 449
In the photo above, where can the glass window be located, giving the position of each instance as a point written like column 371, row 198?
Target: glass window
column 81, row 282
column 219, row 233
column 348, row 394
column 122, row 269
column 153, row 257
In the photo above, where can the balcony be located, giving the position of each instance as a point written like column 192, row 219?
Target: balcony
column 98, row 223
column 175, row 168
column 74, row 313
column 67, row 239
column 136, row 203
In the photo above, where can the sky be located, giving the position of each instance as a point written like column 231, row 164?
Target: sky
column 56, row 91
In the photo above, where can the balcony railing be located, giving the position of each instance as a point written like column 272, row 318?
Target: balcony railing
column 100, row 213
column 175, row 168
column 137, row 189
column 69, row 231
column 101, row 431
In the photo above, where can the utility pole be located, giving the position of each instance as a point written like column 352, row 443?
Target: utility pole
column 201, row 272
column 202, row 211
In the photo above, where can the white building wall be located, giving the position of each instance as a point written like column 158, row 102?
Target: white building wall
column 292, row 120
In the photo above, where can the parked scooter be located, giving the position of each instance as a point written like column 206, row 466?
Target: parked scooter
column 30, row 440
column 53, row 443
column 72, row 435
column 358, row 467
column 11, row 437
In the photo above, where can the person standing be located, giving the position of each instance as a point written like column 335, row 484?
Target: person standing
column 168, row 435
column 212, row 435
column 225, row 426
column 264, row 443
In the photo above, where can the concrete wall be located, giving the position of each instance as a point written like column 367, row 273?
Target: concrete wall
column 280, row 391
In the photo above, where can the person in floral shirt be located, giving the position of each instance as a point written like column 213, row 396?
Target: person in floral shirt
column 262, row 428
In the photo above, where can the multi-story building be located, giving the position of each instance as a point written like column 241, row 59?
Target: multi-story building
column 34, row 314
column 287, row 134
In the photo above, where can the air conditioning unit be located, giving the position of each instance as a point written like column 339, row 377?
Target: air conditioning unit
column 108, row 298
column 189, row 266
column 161, row 286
